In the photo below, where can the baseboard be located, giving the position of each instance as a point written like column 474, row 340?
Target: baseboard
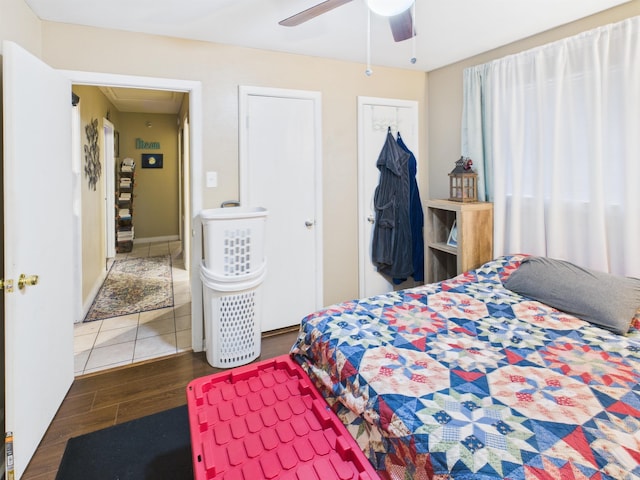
column 92, row 295
column 167, row 238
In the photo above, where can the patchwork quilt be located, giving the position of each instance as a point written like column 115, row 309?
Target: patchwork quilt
column 465, row 379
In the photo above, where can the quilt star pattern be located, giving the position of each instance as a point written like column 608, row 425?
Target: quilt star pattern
column 465, row 379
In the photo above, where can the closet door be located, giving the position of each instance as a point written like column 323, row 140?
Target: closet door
column 375, row 116
column 280, row 169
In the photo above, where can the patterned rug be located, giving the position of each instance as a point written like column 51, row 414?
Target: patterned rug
column 134, row 285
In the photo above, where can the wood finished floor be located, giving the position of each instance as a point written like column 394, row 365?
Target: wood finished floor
column 100, row 400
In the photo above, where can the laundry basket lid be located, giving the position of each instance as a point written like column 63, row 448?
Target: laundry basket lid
column 230, row 213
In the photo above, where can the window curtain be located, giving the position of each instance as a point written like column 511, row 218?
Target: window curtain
column 555, row 135
column 475, row 128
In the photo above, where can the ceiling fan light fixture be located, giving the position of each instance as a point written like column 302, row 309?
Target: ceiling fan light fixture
column 389, row 8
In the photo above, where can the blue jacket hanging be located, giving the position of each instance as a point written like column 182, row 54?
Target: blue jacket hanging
column 416, row 216
column 391, row 244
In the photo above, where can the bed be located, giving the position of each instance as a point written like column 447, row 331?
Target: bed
column 467, row 379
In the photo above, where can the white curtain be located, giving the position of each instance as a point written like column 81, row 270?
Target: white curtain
column 556, row 134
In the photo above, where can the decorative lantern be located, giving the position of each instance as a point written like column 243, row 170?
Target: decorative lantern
column 463, row 182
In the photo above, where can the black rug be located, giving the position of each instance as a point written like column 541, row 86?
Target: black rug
column 155, row 447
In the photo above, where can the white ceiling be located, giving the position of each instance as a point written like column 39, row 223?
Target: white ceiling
column 448, row 30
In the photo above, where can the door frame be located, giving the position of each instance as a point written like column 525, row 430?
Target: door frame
column 185, row 188
column 76, row 169
column 244, row 92
column 194, row 89
column 364, row 240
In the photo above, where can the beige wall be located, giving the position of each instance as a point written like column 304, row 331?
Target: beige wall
column 221, row 69
column 19, row 24
column 155, row 205
column 93, row 104
column 445, row 92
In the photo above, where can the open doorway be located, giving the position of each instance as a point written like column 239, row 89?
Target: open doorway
column 178, row 245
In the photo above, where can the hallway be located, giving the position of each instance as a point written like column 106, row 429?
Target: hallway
column 128, row 339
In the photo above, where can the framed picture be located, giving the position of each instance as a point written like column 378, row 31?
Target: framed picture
column 452, row 241
column 152, row 160
column 116, row 144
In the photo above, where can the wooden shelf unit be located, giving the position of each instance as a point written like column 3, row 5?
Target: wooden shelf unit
column 474, row 222
column 124, row 224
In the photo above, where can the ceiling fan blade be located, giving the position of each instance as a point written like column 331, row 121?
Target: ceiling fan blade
column 402, row 25
column 312, row 12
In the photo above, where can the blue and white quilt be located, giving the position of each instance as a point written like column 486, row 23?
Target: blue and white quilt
column 465, row 379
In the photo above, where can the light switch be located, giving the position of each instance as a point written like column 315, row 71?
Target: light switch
column 212, row 179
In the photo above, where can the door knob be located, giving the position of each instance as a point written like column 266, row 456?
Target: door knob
column 309, row 223
column 6, row 285
column 370, row 219
column 25, row 280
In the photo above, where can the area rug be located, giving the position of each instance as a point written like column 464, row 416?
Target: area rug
column 156, row 447
column 134, row 285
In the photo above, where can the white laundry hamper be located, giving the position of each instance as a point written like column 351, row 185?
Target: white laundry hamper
column 232, row 273
column 234, row 240
column 232, row 313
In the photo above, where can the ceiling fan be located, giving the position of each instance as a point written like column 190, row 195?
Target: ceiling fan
column 398, row 12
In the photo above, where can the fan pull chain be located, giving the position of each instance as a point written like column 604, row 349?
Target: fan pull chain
column 413, row 37
column 368, row 71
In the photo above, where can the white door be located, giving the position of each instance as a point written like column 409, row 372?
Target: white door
column 38, row 240
column 109, row 187
column 375, row 116
column 280, row 169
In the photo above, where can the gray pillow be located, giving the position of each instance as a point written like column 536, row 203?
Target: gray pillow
column 600, row 298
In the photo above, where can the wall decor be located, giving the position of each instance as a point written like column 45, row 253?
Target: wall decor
column 92, row 166
column 144, row 145
column 116, row 144
column 452, row 241
column 152, row 160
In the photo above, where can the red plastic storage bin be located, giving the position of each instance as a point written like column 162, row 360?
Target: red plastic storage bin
column 267, row 420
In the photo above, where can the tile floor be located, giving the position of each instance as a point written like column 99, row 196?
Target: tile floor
column 127, row 339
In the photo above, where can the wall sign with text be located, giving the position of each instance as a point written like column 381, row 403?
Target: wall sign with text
column 144, row 145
